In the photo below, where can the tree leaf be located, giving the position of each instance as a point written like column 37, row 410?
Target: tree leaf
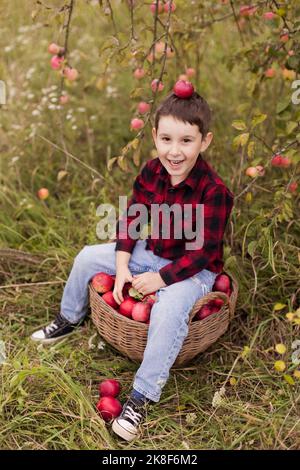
column 239, row 125
column 250, row 149
column 289, row 379
column 61, row 174
column 110, row 163
column 258, row 119
column 251, row 248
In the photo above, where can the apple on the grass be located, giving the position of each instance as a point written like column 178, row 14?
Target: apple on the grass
column 109, row 408
column 43, row 193
column 109, row 388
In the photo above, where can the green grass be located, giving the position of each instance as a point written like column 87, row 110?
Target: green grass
column 48, row 394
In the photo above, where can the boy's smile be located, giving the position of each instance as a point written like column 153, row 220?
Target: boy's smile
column 178, row 145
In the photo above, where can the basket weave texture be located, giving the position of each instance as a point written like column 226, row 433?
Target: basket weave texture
column 130, row 337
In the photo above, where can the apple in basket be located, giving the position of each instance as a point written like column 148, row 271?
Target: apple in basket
column 109, row 408
column 102, row 282
column 222, row 284
column 141, row 311
column 109, row 299
column 126, row 307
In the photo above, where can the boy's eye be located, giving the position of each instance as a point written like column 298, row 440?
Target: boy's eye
column 167, row 138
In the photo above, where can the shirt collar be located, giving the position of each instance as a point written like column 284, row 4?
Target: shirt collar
column 193, row 178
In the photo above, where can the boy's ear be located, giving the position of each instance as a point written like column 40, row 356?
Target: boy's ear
column 154, row 133
column 206, row 142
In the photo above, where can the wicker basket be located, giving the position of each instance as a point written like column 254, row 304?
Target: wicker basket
column 130, row 337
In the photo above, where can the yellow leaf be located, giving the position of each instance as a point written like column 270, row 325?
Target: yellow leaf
column 110, row 162
column 297, row 321
column 250, row 149
column 136, row 157
column 135, row 143
column 248, row 197
column 280, row 348
column 298, row 312
column 279, row 366
column 297, row 374
column 290, row 316
column 232, row 381
column 122, row 162
column 61, row 174
column 279, row 306
column 289, row 379
column 246, row 351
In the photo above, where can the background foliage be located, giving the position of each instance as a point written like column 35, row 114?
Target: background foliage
column 242, row 393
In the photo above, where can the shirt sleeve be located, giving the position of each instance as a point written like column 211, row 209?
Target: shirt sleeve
column 218, row 203
column 123, row 240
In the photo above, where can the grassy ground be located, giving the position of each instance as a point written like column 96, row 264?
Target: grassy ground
column 48, row 394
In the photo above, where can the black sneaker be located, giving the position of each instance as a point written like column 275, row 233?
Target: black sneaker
column 58, row 329
column 127, row 425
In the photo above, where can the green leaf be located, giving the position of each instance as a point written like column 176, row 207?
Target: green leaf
column 291, row 126
column 239, row 125
column 289, row 379
column 258, row 119
column 251, row 248
column 282, row 105
column 250, row 149
column 241, row 139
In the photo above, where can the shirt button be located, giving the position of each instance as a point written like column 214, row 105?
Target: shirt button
column 171, row 190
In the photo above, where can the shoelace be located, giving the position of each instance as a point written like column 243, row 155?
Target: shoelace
column 133, row 415
column 53, row 326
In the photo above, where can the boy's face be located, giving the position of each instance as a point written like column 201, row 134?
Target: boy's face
column 181, row 142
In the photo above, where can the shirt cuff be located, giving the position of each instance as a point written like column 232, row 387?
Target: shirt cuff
column 125, row 245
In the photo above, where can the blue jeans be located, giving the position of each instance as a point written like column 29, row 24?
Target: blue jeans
column 169, row 315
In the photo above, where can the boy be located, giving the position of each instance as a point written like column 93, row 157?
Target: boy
column 180, row 275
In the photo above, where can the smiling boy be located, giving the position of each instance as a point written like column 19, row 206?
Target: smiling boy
column 179, row 276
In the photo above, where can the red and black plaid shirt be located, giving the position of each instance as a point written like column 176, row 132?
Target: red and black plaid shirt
column 202, row 186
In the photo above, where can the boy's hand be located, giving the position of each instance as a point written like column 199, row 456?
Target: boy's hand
column 147, row 282
column 122, row 275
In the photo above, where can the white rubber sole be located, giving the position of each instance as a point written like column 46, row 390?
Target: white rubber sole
column 52, row 340
column 122, row 432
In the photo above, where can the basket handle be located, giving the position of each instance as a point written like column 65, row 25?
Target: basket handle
column 207, row 298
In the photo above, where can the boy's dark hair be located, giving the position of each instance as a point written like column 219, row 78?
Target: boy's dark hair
column 194, row 110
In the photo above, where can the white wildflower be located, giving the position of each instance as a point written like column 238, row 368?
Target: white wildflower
column 218, row 397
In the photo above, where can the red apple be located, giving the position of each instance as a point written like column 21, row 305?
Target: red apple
column 56, row 62
column 126, row 307
column 141, row 311
column 70, row 73
column 153, row 7
column 54, row 48
column 169, row 7
column 139, row 73
column 102, row 282
column 270, row 73
column 136, row 124
column 293, row 186
column 43, row 193
column 269, row 15
column 222, row 283
column 252, row 171
column 218, row 302
column 247, row 10
column 63, row 99
column 109, row 299
column 150, row 298
column 109, row 408
column 143, row 107
column 156, row 84
column 204, row 312
column 183, row 89
column 261, row 170
column 190, row 72
column 109, row 388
